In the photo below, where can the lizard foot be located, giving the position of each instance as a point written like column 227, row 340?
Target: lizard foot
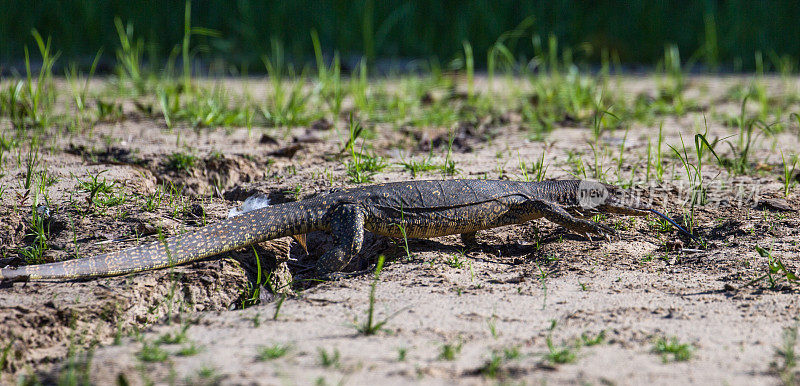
column 559, row 215
column 588, row 228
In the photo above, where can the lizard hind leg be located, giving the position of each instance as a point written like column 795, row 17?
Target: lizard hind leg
column 347, row 229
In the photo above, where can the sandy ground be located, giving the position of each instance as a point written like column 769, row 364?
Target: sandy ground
column 501, row 310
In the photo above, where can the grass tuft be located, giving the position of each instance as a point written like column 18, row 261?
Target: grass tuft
column 672, row 350
column 449, row 351
column 327, row 359
column 268, row 353
column 370, row 326
column 151, row 352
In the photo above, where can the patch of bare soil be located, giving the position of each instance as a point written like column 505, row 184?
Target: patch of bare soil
column 43, row 319
column 532, row 303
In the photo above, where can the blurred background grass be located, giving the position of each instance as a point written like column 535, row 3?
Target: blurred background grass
column 716, row 35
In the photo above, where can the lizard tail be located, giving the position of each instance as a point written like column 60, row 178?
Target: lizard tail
column 233, row 233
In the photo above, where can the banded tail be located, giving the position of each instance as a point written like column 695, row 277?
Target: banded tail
column 248, row 228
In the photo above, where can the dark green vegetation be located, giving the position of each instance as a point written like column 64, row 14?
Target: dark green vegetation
column 555, row 92
column 556, row 88
column 714, row 33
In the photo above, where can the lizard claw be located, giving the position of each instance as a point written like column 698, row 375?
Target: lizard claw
column 604, row 231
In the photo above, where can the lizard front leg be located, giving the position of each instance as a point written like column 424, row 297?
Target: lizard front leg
column 347, row 229
column 558, row 215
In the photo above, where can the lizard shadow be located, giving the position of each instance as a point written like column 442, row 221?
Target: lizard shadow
column 490, row 249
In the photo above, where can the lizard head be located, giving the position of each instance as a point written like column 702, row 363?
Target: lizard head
column 596, row 197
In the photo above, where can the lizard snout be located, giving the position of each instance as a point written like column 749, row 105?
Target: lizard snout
column 620, row 204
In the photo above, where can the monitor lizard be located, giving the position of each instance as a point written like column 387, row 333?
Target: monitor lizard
column 414, row 209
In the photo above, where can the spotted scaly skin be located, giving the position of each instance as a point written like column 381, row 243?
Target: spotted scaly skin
column 421, row 209
column 251, row 227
